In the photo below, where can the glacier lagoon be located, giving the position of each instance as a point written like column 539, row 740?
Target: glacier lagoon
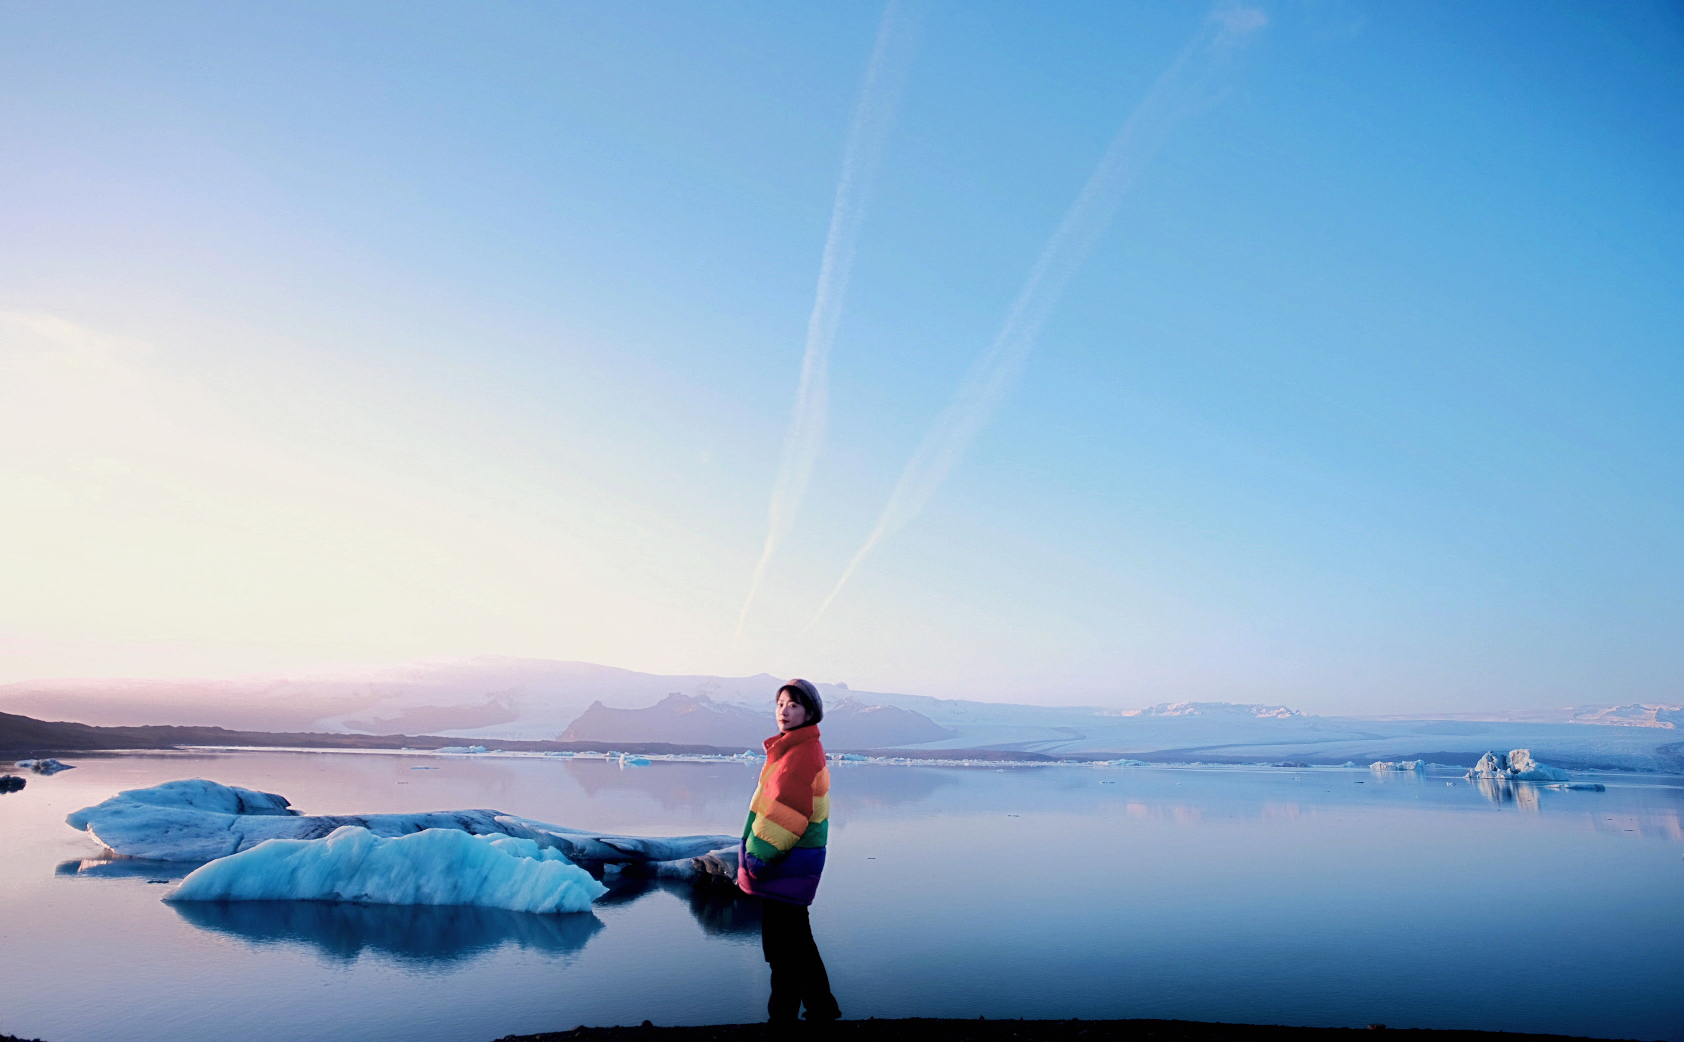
column 1263, row 895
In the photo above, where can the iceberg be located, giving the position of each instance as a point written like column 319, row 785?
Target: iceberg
column 46, row 766
column 1398, row 765
column 199, row 820
column 1515, row 765
column 432, row 867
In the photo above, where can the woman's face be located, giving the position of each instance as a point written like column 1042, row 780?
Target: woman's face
column 791, row 713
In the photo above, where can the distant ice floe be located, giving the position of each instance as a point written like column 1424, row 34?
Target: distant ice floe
column 199, row 820
column 432, row 867
column 46, row 766
column 462, row 749
column 1398, row 765
column 1515, row 765
column 1128, row 763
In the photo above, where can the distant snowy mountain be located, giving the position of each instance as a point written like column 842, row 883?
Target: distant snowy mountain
column 482, row 697
column 698, row 720
column 677, row 718
column 1635, row 714
column 1215, row 709
column 1638, row 714
column 488, row 698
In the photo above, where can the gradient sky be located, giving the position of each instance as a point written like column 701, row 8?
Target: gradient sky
column 357, row 333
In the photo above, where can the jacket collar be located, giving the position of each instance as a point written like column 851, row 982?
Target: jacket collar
column 784, row 741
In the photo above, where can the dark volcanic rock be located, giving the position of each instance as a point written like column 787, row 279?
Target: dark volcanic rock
column 11, row 783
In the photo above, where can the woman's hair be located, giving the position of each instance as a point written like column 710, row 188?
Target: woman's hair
column 804, row 692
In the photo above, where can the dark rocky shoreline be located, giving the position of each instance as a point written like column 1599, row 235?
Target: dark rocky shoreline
column 951, row 1030
column 980, row 1030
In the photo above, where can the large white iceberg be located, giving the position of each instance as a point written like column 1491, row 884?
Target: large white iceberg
column 1398, row 765
column 1515, row 765
column 431, row 867
column 199, row 820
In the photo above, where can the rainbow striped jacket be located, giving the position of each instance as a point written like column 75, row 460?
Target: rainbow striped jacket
column 782, row 851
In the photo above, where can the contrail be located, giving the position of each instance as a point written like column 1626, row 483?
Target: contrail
column 1170, row 98
column 873, row 115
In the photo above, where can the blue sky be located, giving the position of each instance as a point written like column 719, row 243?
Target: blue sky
column 404, row 330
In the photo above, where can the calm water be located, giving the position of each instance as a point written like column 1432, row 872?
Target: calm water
column 1262, row 896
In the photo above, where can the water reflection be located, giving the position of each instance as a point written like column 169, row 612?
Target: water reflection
column 698, row 787
column 409, row 933
column 432, row 933
column 127, row 868
column 720, row 910
column 1399, row 778
column 1501, row 790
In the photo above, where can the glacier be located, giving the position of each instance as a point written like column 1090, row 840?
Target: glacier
column 1515, row 765
column 199, row 820
column 431, row 867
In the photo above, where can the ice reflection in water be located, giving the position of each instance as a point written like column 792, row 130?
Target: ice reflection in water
column 434, row 933
column 1501, row 790
column 412, row 933
column 721, row 911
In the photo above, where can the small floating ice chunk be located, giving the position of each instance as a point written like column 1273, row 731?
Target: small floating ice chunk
column 1398, row 765
column 1515, row 765
column 46, row 766
column 431, row 867
column 630, row 760
column 851, row 757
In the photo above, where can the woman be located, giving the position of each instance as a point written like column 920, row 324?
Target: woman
column 782, row 854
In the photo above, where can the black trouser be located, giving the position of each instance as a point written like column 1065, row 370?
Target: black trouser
column 798, row 977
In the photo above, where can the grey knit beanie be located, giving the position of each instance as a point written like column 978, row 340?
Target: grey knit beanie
column 804, row 692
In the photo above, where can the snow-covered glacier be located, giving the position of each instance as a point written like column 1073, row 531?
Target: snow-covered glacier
column 432, row 867
column 1515, row 765
column 200, row 820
